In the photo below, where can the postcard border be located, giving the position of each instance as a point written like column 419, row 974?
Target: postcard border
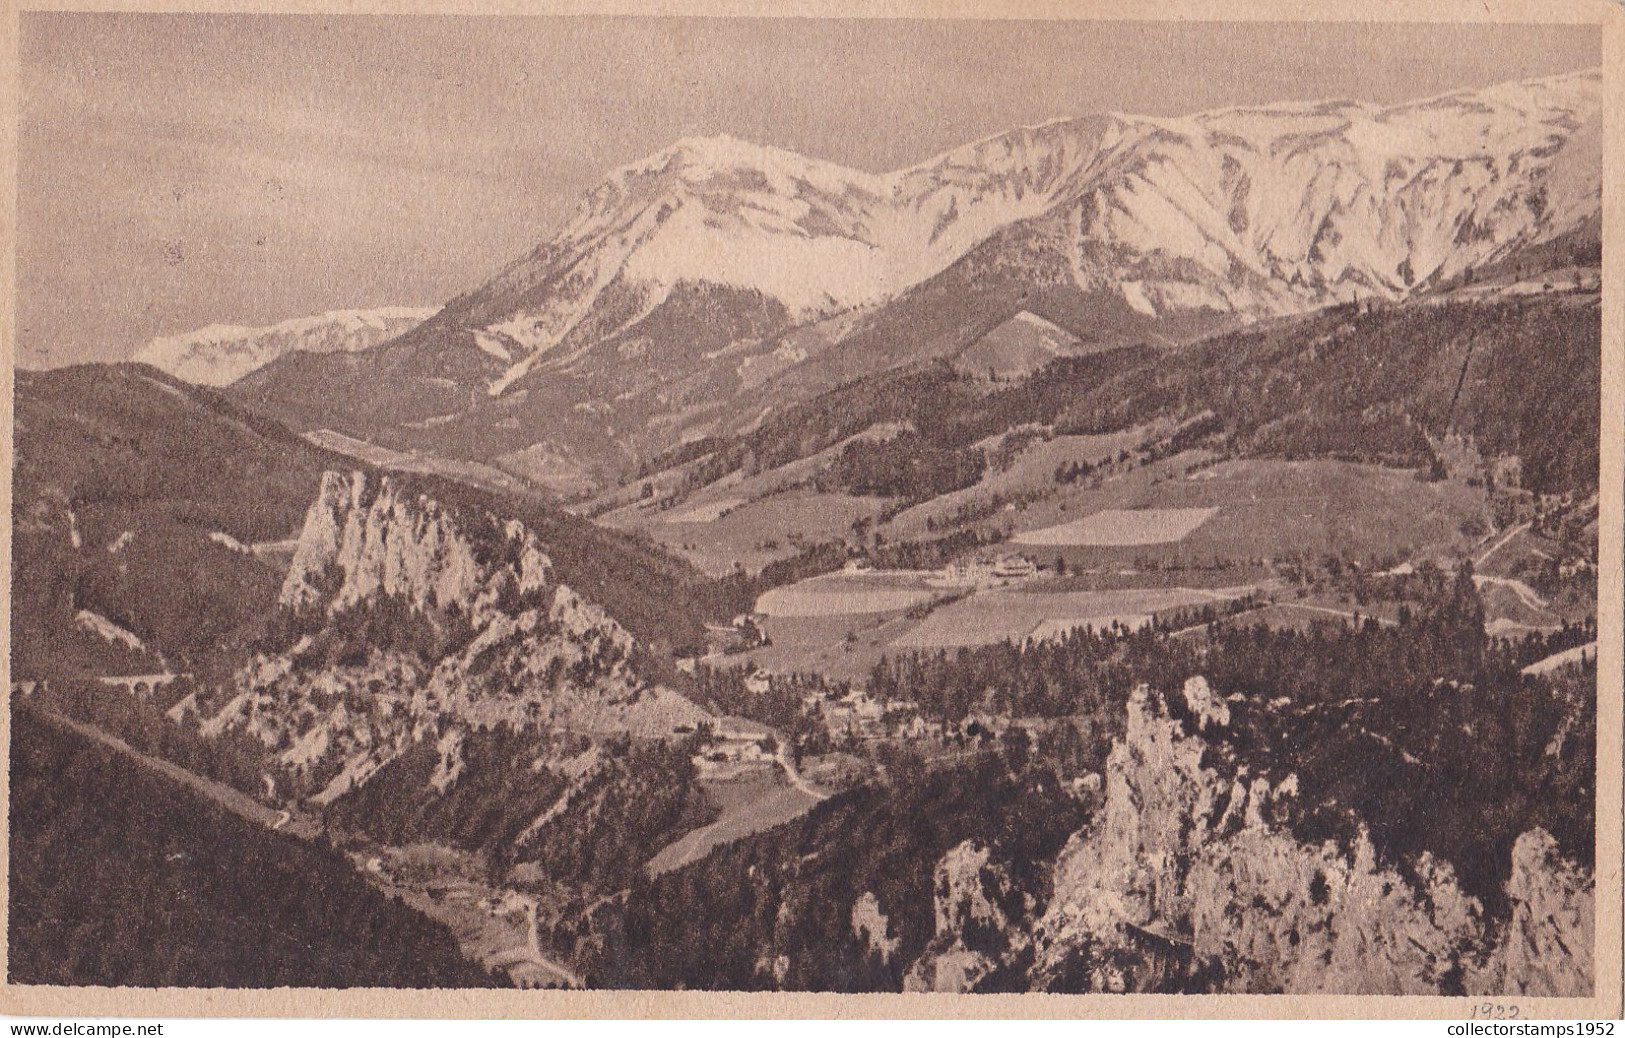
column 1609, row 997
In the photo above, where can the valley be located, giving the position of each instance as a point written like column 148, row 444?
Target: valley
column 1155, row 555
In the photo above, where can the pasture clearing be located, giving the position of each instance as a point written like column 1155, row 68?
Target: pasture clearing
column 1514, row 605
column 785, row 478
column 841, row 648
column 1032, row 471
column 990, row 617
column 705, row 511
column 1055, row 630
column 754, row 533
column 1120, row 527
column 847, row 594
column 753, row 805
column 1271, row 509
column 1567, row 658
column 1305, row 615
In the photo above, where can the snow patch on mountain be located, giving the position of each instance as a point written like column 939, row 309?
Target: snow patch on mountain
column 221, row 354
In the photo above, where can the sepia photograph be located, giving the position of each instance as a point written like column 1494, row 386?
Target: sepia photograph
column 974, row 507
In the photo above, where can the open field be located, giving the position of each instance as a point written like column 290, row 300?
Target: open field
column 1127, row 578
column 1567, row 658
column 1119, row 527
column 842, row 647
column 705, row 511
column 1269, row 509
column 841, row 624
column 748, row 806
column 1254, row 509
column 1033, row 470
column 797, row 473
column 1054, row 630
column 752, row 519
column 839, row 594
column 719, row 533
column 1304, row 616
column 994, row 616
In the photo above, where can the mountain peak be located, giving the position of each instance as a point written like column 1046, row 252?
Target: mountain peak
column 724, row 149
column 220, row 354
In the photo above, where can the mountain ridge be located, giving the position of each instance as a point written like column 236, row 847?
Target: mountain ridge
column 220, row 354
column 716, row 280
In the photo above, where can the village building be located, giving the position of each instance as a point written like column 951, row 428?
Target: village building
column 981, row 572
column 1014, row 567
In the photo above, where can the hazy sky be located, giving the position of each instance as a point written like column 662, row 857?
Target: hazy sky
column 182, row 170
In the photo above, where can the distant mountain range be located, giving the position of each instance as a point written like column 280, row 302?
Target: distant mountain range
column 701, row 289
column 221, row 354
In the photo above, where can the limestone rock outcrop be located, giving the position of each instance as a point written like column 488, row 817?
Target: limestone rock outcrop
column 1192, row 877
column 404, row 619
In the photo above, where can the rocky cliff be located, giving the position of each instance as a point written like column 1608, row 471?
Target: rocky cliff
column 977, row 907
column 1193, row 877
column 403, row 621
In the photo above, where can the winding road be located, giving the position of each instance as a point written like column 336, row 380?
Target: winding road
column 795, row 778
column 534, row 939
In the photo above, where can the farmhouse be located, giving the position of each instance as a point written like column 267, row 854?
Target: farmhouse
column 960, row 573
column 738, row 746
column 1014, row 567
column 742, row 633
column 977, row 572
column 855, row 713
column 758, row 682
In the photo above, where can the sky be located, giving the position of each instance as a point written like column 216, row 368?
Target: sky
column 177, row 171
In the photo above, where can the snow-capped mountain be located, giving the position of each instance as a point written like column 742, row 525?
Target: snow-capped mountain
column 1263, row 210
column 700, row 288
column 221, row 354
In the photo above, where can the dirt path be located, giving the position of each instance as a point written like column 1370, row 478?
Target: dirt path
column 1498, row 545
column 619, row 895
column 534, row 938
column 1562, row 659
column 795, row 778
column 1526, row 594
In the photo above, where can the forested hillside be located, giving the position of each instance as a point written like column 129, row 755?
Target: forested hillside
column 1420, row 741
column 161, row 507
column 777, row 911
column 120, row 877
column 1356, row 382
